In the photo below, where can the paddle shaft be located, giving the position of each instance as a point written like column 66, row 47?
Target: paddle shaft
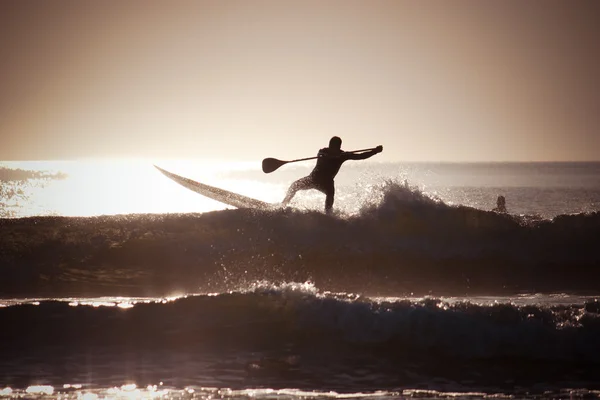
column 312, row 158
column 271, row 164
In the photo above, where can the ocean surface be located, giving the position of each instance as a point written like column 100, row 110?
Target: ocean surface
column 116, row 282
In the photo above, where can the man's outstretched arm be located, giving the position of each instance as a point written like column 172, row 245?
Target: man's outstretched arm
column 365, row 155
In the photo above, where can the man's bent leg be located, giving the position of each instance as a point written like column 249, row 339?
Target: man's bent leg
column 301, row 184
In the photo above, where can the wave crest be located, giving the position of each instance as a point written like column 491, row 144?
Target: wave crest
column 404, row 242
column 277, row 314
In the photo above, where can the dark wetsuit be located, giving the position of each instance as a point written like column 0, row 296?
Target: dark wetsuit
column 321, row 177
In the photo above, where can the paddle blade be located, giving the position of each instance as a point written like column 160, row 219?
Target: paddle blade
column 271, row 164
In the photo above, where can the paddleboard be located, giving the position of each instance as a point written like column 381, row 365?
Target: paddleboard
column 218, row 194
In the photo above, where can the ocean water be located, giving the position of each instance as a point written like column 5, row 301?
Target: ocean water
column 108, row 187
column 117, row 283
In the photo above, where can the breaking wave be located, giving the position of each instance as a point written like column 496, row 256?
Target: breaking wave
column 401, row 242
column 295, row 328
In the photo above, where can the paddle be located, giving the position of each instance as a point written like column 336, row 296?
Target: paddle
column 271, row 164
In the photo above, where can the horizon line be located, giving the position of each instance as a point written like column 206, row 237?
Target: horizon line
column 221, row 160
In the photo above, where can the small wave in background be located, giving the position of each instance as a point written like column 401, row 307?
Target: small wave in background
column 296, row 336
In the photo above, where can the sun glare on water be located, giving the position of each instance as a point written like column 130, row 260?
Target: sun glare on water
column 124, row 186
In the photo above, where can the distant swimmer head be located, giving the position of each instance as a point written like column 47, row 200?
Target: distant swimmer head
column 500, row 205
column 335, row 143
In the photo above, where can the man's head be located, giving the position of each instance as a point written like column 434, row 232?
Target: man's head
column 335, row 143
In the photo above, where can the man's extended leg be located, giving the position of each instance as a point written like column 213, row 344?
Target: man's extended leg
column 329, row 189
column 301, row 184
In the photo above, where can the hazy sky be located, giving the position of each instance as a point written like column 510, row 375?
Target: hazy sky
column 429, row 80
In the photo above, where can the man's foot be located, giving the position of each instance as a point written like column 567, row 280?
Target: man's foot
column 282, row 206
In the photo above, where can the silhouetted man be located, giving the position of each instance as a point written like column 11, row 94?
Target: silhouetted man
column 329, row 161
column 500, row 205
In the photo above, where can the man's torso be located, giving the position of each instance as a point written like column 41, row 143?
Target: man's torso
column 328, row 165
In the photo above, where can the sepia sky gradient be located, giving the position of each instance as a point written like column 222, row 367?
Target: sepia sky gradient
column 242, row 80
